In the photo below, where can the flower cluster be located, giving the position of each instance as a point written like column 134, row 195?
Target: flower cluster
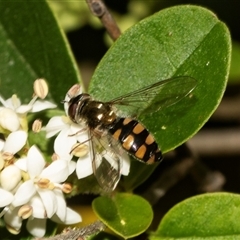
column 29, row 187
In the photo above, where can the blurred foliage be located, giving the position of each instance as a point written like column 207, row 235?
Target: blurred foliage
column 75, row 14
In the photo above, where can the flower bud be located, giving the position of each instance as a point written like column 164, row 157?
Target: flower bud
column 10, row 177
column 9, row 119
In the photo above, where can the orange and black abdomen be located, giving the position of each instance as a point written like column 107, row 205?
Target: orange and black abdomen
column 136, row 140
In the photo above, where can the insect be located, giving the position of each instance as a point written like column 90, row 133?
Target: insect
column 111, row 134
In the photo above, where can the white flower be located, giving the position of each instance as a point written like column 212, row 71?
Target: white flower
column 69, row 135
column 42, row 180
column 36, row 223
column 10, row 177
column 12, row 112
column 38, row 198
column 6, row 198
column 9, row 119
column 14, row 142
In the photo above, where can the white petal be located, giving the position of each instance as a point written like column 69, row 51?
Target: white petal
column 125, row 164
column 5, row 198
column 84, row 167
column 63, row 144
column 12, row 218
column 15, row 141
column 37, row 206
column 24, row 109
column 49, row 201
column 21, row 163
column 1, row 144
column 9, row 119
column 24, row 193
column 55, row 125
column 10, row 177
column 71, row 167
column 37, row 227
column 72, row 217
column 61, row 203
column 35, row 162
column 40, row 105
column 80, row 132
column 57, row 171
column 13, row 102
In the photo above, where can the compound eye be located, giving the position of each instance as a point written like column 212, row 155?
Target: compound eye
column 74, row 91
column 72, row 107
column 72, row 111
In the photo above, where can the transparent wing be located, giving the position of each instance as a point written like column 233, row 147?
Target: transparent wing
column 156, row 96
column 107, row 161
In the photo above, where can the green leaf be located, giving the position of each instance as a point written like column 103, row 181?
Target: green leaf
column 208, row 216
column 178, row 41
column 126, row 214
column 32, row 46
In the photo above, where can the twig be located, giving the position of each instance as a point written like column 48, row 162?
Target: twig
column 99, row 9
column 78, row 233
column 220, row 142
column 207, row 180
column 228, row 110
column 171, row 176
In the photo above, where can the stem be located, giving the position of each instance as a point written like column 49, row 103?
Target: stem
column 78, row 233
column 99, row 10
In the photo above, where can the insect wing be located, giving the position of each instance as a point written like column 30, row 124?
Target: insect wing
column 107, row 161
column 156, row 96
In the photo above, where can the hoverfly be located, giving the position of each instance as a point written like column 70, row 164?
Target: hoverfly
column 111, row 135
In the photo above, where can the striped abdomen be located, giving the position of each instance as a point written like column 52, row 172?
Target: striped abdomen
column 136, row 140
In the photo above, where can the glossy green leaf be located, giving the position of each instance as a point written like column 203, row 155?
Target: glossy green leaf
column 178, row 41
column 126, row 214
column 32, row 46
column 209, row 216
